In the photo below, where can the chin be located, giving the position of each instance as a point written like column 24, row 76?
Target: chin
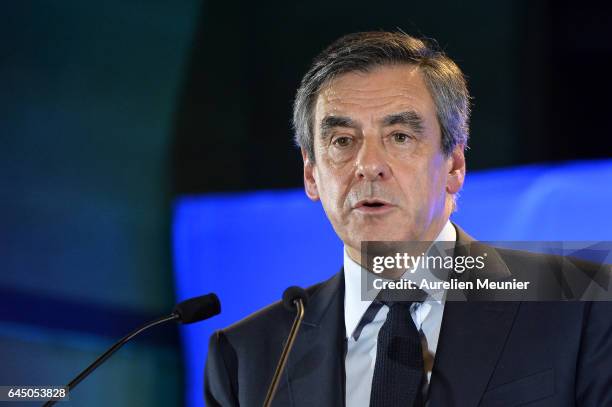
column 380, row 236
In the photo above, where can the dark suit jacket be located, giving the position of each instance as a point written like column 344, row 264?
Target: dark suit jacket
column 489, row 353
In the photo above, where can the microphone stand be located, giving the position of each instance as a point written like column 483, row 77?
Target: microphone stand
column 109, row 352
column 283, row 358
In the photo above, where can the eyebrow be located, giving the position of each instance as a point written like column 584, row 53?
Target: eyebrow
column 411, row 119
column 330, row 122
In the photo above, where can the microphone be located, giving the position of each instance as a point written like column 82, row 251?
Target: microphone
column 294, row 299
column 197, row 308
column 291, row 295
column 188, row 311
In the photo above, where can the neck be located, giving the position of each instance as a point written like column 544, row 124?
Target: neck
column 430, row 235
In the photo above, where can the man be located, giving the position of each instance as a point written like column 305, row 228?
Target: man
column 382, row 122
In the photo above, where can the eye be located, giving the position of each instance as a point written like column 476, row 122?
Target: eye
column 342, row 141
column 401, row 138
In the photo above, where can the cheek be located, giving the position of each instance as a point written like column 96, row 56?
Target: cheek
column 330, row 186
column 425, row 185
column 437, row 187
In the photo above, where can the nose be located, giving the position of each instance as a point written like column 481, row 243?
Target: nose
column 371, row 164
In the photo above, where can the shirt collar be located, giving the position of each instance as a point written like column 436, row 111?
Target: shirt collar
column 354, row 306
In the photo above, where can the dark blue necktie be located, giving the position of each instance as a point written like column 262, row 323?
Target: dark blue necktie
column 398, row 372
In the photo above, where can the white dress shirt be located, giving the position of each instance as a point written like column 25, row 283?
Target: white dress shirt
column 361, row 353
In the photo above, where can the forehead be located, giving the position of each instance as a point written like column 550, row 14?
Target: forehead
column 378, row 92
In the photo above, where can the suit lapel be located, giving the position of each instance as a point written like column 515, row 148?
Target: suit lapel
column 315, row 368
column 472, row 337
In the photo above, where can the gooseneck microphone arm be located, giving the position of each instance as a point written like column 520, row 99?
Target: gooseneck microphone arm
column 283, row 359
column 89, row 369
column 192, row 310
column 293, row 298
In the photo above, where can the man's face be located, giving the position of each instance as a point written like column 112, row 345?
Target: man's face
column 379, row 170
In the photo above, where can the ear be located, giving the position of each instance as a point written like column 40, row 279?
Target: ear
column 456, row 170
column 310, row 183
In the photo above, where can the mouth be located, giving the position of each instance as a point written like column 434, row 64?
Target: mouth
column 373, row 206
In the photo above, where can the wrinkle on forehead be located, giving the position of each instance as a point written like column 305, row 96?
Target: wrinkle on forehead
column 375, row 91
column 347, row 81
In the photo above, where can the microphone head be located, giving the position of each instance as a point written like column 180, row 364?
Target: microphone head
column 198, row 308
column 294, row 293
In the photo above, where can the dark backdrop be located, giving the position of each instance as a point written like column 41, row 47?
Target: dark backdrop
column 537, row 72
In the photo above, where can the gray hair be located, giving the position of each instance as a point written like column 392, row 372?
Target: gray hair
column 366, row 50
